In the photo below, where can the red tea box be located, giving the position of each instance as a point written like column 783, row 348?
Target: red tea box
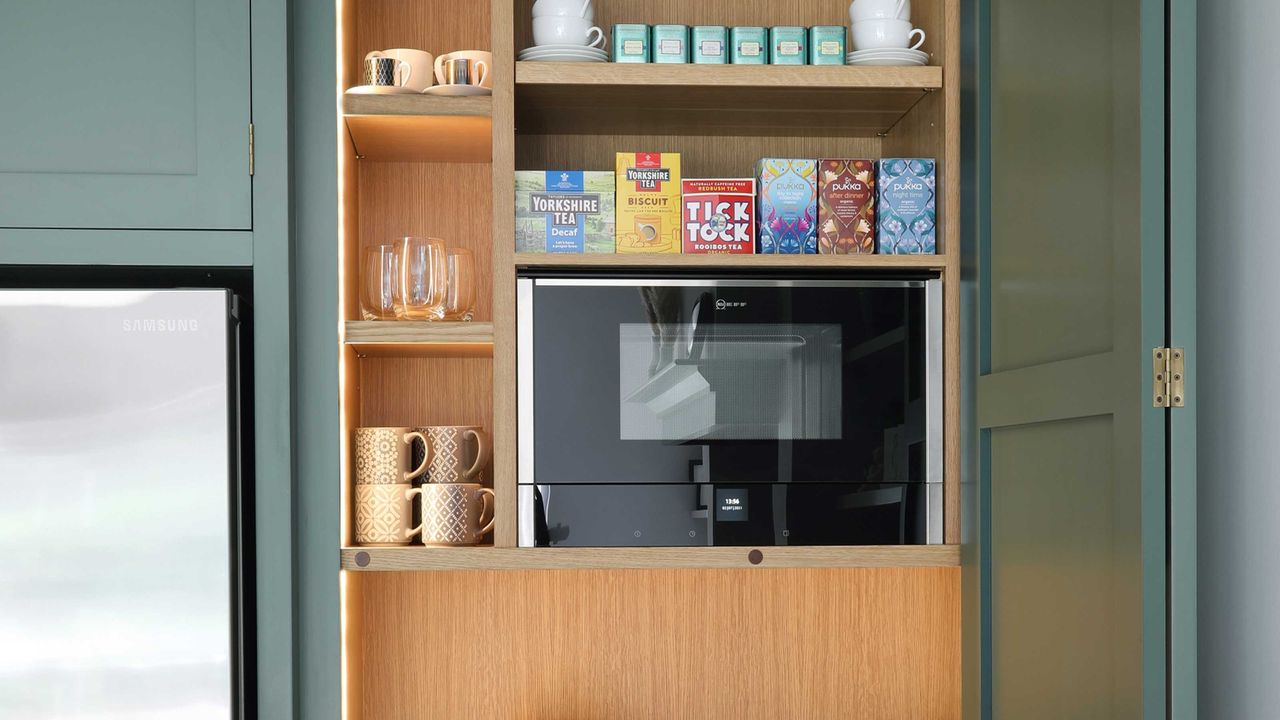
column 846, row 207
column 719, row 217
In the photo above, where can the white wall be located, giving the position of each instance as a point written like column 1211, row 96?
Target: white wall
column 1239, row 359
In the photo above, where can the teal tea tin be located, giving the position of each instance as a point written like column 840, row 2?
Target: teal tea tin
column 630, row 43
column 787, row 45
column 749, row 46
column 670, row 44
column 709, row 44
column 826, row 45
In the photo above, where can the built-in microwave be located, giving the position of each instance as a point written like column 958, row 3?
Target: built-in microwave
column 668, row 410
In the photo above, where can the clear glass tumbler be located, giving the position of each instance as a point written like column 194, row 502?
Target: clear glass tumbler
column 379, row 282
column 460, row 299
column 423, row 279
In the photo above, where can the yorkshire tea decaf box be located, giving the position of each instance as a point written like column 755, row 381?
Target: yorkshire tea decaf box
column 719, row 217
column 648, row 202
column 846, row 206
column 787, row 206
column 564, row 211
column 907, row 222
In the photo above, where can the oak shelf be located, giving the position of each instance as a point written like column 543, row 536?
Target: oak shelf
column 491, row 558
column 910, row 263
column 414, row 338
column 421, row 128
column 612, row 98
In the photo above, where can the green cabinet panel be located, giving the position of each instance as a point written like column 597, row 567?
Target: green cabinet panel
column 125, row 114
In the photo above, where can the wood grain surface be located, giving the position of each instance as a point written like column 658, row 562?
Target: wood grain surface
column 421, row 138
column 868, row 644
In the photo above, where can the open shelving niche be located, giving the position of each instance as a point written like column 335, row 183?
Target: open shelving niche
column 445, row 167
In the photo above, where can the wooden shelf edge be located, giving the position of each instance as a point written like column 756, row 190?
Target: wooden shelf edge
column 415, row 559
column 808, row 262
column 411, row 338
column 761, row 77
column 417, row 105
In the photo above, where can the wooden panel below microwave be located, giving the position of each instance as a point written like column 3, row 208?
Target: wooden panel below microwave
column 607, row 644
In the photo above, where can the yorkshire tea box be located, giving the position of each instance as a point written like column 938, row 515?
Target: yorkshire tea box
column 787, row 206
column 564, row 211
column 648, row 202
column 719, row 217
column 846, row 206
column 908, row 189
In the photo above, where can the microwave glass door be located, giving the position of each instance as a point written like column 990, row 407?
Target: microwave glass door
column 816, row 404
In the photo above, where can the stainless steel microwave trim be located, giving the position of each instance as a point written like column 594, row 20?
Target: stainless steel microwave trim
column 724, row 282
column 934, row 417
column 934, row 505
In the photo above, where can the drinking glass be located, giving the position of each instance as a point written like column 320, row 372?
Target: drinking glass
column 379, row 280
column 423, row 279
column 460, row 299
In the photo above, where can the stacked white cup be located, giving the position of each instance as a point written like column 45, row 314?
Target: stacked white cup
column 566, row 23
column 883, row 24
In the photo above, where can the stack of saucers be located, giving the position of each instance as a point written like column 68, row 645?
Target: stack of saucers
column 564, row 53
column 887, row 56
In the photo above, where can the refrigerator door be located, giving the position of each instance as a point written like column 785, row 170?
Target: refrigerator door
column 116, row 505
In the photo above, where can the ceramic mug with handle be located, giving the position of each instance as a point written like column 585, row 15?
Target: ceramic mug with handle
column 384, row 514
column 560, row 30
column 454, row 514
column 384, row 454
column 459, row 453
column 860, row 10
column 880, row 34
column 417, row 76
column 386, row 71
column 477, row 64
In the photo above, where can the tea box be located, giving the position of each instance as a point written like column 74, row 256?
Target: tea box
column 709, row 44
column 826, row 45
column 907, row 222
column 749, row 46
column 564, row 211
column 719, row 216
column 670, row 44
column 648, row 202
column 787, row 45
column 846, row 207
column 630, row 43
column 787, row 206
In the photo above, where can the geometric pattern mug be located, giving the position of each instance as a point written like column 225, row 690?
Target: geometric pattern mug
column 454, row 514
column 383, row 455
column 384, row 514
column 458, row 452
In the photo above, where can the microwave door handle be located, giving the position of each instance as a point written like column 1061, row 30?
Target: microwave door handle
column 702, row 322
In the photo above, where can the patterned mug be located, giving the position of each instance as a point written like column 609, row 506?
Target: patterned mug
column 383, row 455
column 454, row 513
column 384, row 514
column 458, row 452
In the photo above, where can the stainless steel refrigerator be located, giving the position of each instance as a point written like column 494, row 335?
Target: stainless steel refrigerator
column 119, row 505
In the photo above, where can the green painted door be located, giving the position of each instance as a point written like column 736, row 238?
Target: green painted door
column 1073, row 298
column 124, row 114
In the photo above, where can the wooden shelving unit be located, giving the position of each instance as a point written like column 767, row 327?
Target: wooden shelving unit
column 588, row 98
column 490, row 558
column 409, row 338
column 887, row 263
column 421, row 128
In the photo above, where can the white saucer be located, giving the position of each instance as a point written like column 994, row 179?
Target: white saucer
column 887, row 56
column 562, row 53
column 888, row 51
column 457, row 90
column 561, row 46
column 565, row 58
column 381, row 90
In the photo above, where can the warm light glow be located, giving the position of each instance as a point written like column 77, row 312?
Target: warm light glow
column 340, row 135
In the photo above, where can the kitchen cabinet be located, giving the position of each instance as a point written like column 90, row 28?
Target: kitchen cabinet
column 125, row 115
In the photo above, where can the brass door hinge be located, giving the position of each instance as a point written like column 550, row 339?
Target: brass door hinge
column 250, row 149
column 1168, row 384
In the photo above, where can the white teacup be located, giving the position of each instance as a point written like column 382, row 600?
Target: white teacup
column 560, row 30
column 420, row 65
column 565, row 8
column 877, row 34
column 481, row 59
column 860, row 10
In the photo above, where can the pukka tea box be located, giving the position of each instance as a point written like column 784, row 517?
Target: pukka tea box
column 564, row 211
column 648, row 202
column 907, row 221
column 719, row 217
column 846, row 207
column 787, row 206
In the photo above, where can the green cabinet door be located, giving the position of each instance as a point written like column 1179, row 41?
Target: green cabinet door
column 1073, row 298
column 124, row 114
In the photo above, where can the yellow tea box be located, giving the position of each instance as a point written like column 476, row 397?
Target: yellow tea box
column 648, row 203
